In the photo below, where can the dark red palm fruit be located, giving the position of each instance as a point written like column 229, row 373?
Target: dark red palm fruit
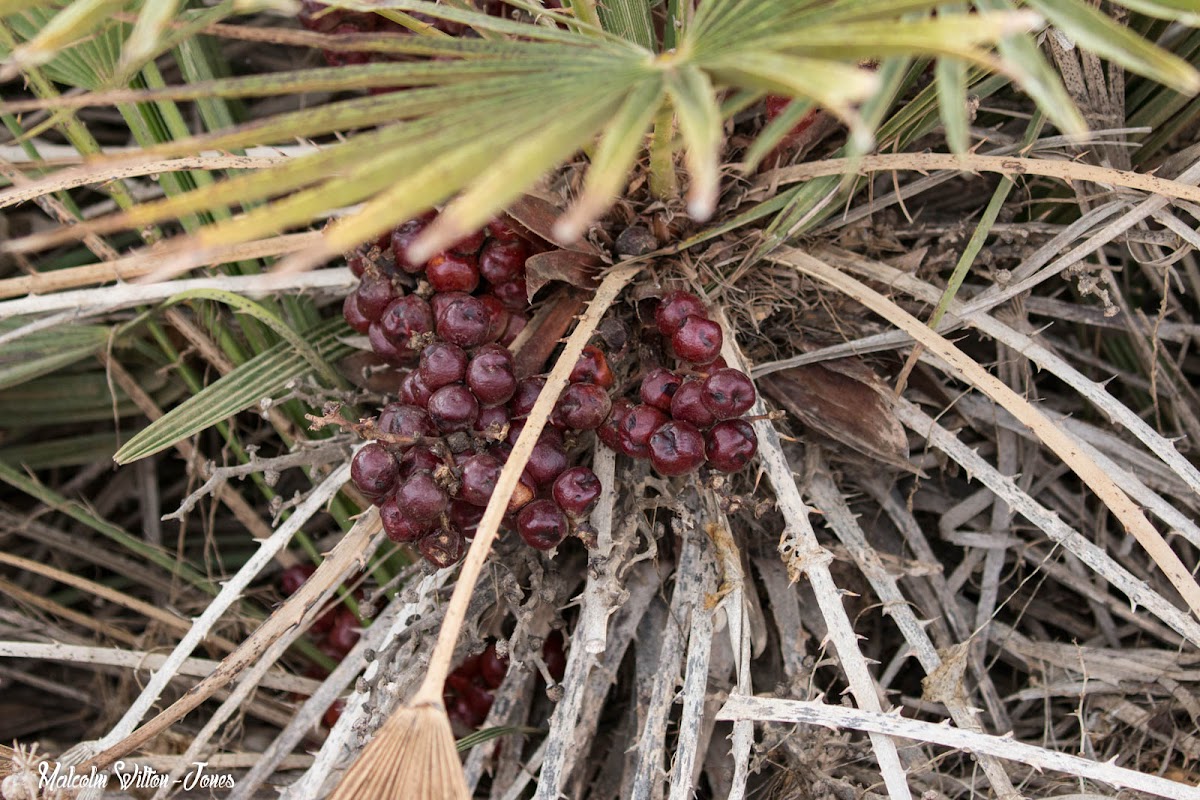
column 421, row 497
column 503, row 260
column 418, row 458
column 515, row 426
column 451, row 272
column 677, row 448
column 610, row 431
column 581, row 407
column 333, row 713
column 592, row 367
column 674, row 308
column 404, row 235
column 524, row 493
column 698, row 340
column 659, row 386
column 373, row 295
column 499, row 228
column 374, row 470
column 637, row 427
column 403, row 419
column 514, row 294
column 516, row 324
column 712, row 366
column 526, row 395
column 728, row 393
column 443, row 300
column 344, row 634
column 465, row 517
column 413, row 390
column 353, row 316
column 730, row 445
column 470, row 666
column 555, row 655
column 384, row 347
column 453, row 408
column 688, row 404
column 399, row 526
column 479, row 475
column 465, row 323
column 492, row 667
column 576, row 491
column 500, row 316
column 547, row 460
column 442, row 364
column 542, row 525
column 405, row 317
column 292, row 578
column 492, row 422
column 480, row 700
column 357, row 264
column 444, row 547
column 469, row 245
column 490, row 375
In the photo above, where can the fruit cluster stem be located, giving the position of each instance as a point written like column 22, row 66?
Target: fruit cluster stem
column 430, row 691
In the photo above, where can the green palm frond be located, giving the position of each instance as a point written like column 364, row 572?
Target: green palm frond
column 483, row 120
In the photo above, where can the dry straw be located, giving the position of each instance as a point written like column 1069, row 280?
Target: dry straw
column 413, row 754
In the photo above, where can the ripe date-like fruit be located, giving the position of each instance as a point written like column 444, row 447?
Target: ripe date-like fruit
column 403, row 419
column 442, row 364
column 444, row 547
column 677, row 448
column 514, row 294
column 413, row 390
column 730, row 445
column 344, row 634
column 374, row 470
column 479, row 475
column 582, row 407
column 405, row 317
column 292, row 578
column 542, row 525
column 637, row 427
column 728, row 393
column 659, row 386
column 526, row 395
column 674, row 308
column 503, row 260
column 610, row 431
column 451, row 272
column 421, row 497
column 353, row 316
column 698, row 340
column 493, row 667
column 399, row 526
column 547, row 460
column 576, row 490
column 453, row 408
column 490, row 375
column 404, row 235
column 688, row 404
column 592, row 367
column 465, row 322
column 373, row 295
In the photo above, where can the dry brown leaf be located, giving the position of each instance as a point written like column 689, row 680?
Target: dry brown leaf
column 538, row 217
column 568, row 266
column 847, row 402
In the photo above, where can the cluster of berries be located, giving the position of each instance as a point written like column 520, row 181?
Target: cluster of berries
column 468, row 691
column 335, row 631
column 689, row 416
column 438, row 451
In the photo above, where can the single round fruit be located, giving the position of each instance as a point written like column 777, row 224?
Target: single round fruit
column 688, row 404
column 592, row 367
column 453, row 408
column 451, row 272
column 374, row 293
column 404, row 235
column 344, row 634
column 542, row 525
column 333, row 713
column 610, row 431
column 405, row 317
column 292, row 578
column 413, row 390
column 526, row 395
column 399, row 526
column 442, row 364
column 469, row 245
column 503, row 260
column 479, row 475
column 547, row 460
column 730, row 445
column 444, row 548
column 677, row 448
column 440, row 301
column 465, row 517
column 491, row 421
column 582, row 407
column 384, row 347
column 728, row 393
column 500, row 316
column 499, row 228
column 403, row 419
column 698, row 340
column 490, row 375
column 353, row 316
column 421, row 497
column 465, row 323
column 480, row 701
column 674, row 308
column 514, row 294
column 637, row 427
column 493, row 667
column 659, row 386
column 516, row 324
column 374, row 470
column 576, row 490
column 418, row 458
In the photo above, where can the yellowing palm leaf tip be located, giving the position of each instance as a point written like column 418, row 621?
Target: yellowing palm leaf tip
column 804, row 50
